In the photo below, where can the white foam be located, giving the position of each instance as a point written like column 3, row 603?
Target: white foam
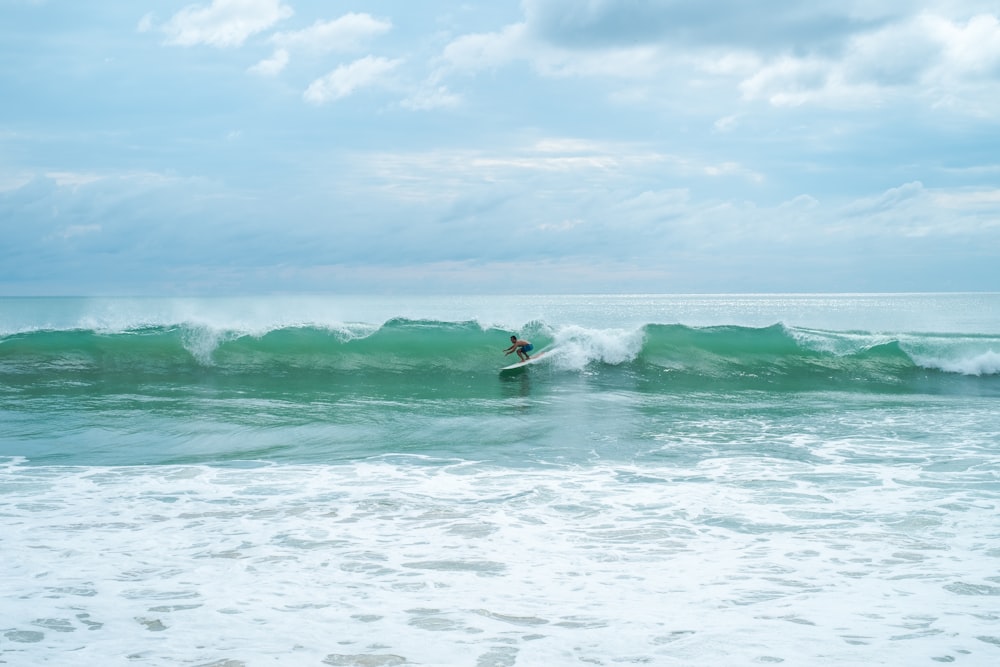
column 579, row 346
column 839, row 343
column 736, row 560
column 986, row 363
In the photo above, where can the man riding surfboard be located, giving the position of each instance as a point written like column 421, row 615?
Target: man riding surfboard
column 522, row 347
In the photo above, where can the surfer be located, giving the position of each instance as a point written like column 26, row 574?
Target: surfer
column 523, row 347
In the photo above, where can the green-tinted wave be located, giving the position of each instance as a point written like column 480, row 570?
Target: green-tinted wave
column 658, row 357
column 776, row 358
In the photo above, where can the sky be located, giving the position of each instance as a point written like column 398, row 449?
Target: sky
column 171, row 147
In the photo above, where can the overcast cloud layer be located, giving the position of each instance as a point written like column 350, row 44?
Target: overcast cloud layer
column 220, row 146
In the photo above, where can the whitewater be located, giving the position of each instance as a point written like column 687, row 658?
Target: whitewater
column 351, row 480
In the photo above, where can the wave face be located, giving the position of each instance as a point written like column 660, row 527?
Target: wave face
column 403, row 356
column 119, row 381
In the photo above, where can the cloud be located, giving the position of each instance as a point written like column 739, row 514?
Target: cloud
column 475, row 52
column 562, row 164
column 726, row 123
column 72, row 178
column 731, row 168
column 273, row 65
column 785, row 25
column 146, row 23
column 790, row 81
column 346, row 79
column 928, row 57
column 887, row 200
column 154, row 228
column 985, row 201
column 972, row 49
column 895, row 55
column 913, row 211
column 433, row 97
column 838, row 55
column 472, row 53
column 347, row 33
column 559, row 227
column 457, row 170
column 224, row 23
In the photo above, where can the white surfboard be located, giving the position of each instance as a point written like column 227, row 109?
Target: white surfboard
column 522, row 364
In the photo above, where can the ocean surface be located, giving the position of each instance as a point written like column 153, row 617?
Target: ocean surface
column 332, row 480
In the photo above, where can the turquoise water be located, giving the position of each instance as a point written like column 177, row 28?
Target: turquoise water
column 730, row 479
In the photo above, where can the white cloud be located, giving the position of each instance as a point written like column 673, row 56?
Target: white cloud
column 472, row 53
column 346, row 79
column 913, row 211
column 639, row 62
column 888, row 199
column 563, row 163
column 563, row 226
column 970, row 200
column 14, row 181
column 896, row 55
column 931, row 57
column 441, row 175
column 273, row 65
column 967, row 76
column 434, row 97
column 726, row 123
column 565, row 145
column 972, row 49
column 732, row 169
column 800, row 203
column 487, row 51
column 145, row 23
column 347, row 33
column 559, row 165
column 224, row 23
column 779, row 80
column 840, row 55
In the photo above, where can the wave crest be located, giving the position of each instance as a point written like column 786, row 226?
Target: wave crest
column 664, row 356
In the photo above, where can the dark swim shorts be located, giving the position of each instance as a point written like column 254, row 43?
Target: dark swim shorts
column 527, row 348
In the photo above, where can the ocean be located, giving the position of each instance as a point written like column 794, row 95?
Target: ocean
column 348, row 480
